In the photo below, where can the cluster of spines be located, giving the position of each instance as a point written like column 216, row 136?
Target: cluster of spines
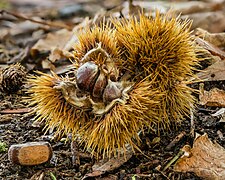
column 161, row 49
column 121, row 125
column 91, row 38
column 159, row 55
column 50, row 105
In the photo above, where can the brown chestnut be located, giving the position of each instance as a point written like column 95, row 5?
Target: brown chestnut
column 111, row 92
column 99, row 86
column 86, row 76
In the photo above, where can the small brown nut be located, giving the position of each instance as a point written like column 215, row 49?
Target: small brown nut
column 111, row 92
column 99, row 86
column 29, row 154
column 87, row 75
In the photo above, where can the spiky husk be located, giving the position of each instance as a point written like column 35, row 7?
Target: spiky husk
column 91, row 38
column 159, row 55
column 162, row 49
column 109, row 134
column 50, row 106
column 106, row 134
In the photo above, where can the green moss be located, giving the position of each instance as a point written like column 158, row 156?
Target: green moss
column 3, row 147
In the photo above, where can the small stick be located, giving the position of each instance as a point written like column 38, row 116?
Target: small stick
column 173, row 160
column 52, row 24
column 192, row 130
column 158, row 169
column 139, row 175
column 16, row 111
column 175, row 140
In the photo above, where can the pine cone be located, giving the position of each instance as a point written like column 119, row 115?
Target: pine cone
column 12, row 78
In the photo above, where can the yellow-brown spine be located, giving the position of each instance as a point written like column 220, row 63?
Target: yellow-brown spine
column 161, row 49
column 146, row 63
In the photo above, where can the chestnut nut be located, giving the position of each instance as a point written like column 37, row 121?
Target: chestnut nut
column 111, row 92
column 97, row 83
column 87, row 75
column 99, row 86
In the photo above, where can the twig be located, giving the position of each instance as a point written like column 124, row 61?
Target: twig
column 175, row 140
column 174, row 160
column 139, row 175
column 192, row 130
column 15, row 111
column 52, row 24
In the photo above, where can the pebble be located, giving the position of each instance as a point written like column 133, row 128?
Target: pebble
column 31, row 153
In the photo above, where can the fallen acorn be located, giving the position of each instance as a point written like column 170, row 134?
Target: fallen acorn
column 30, row 154
column 126, row 78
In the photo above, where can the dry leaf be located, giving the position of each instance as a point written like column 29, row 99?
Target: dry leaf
column 217, row 39
column 206, row 159
column 211, row 48
column 58, row 53
column 24, row 27
column 46, row 64
column 54, row 40
column 215, row 72
column 103, row 166
column 210, row 21
column 190, row 7
column 64, row 69
column 219, row 112
column 179, row 7
column 214, row 97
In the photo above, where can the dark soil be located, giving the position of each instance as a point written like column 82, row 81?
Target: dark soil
column 20, row 128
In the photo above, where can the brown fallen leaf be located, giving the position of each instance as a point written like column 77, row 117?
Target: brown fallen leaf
column 22, row 17
column 210, row 21
column 64, row 69
column 214, row 97
column 20, row 28
column 217, row 39
column 190, row 7
column 57, row 53
column 103, row 166
column 54, row 40
column 211, row 48
column 206, row 159
column 178, row 6
column 215, row 72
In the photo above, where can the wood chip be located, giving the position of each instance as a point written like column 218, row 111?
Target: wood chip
column 29, row 154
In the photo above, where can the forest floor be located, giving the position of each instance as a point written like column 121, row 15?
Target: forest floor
column 18, row 40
